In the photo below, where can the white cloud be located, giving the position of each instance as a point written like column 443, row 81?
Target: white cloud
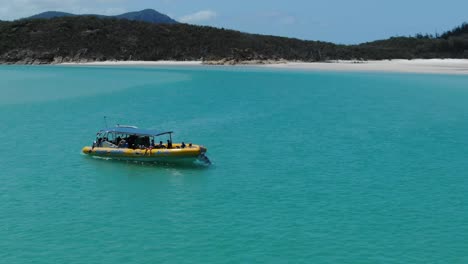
column 199, row 17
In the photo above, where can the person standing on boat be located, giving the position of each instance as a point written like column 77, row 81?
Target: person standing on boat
column 148, row 150
column 169, row 144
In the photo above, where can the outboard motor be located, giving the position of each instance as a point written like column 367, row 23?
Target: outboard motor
column 204, row 158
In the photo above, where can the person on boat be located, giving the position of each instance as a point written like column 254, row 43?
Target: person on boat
column 160, row 145
column 148, row 150
column 190, row 145
column 122, row 143
column 169, row 144
column 152, row 143
column 99, row 142
column 183, row 145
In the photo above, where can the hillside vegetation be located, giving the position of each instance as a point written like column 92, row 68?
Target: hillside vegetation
column 90, row 38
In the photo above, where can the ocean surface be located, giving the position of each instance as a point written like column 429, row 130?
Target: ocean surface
column 308, row 167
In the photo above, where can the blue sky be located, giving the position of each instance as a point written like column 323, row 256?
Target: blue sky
column 340, row 21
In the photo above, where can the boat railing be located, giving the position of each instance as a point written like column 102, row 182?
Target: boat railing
column 107, row 144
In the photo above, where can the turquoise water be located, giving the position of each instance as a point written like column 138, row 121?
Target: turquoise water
column 309, row 167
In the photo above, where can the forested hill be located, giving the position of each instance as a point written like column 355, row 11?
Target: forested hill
column 461, row 31
column 90, row 38
column 451, row 44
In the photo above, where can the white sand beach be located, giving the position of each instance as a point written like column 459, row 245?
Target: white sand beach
column 441, row 66
column 136, row 63
column 434, row 66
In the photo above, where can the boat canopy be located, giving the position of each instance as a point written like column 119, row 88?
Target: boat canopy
column 130, row 130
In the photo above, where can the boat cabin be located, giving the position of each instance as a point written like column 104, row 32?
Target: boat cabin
column 132, row 137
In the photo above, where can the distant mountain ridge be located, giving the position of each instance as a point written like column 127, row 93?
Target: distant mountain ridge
column 50, row 14
column 146, row 15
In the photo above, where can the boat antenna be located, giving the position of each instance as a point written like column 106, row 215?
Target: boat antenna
column 105, row 120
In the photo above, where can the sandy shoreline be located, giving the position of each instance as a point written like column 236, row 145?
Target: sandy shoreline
column 136, row 63
column 434, row 66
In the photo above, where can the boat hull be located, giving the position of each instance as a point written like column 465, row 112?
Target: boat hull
column 177, row 155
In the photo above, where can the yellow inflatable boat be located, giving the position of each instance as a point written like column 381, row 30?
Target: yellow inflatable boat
column 133, row 144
